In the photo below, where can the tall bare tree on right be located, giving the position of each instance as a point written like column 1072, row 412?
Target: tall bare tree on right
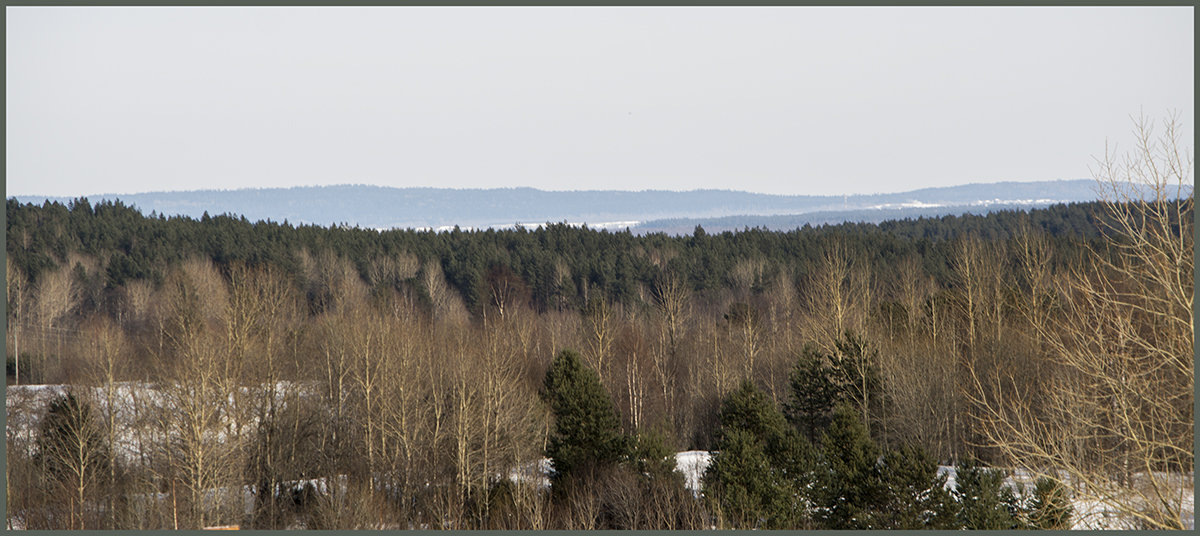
column 1116, row 422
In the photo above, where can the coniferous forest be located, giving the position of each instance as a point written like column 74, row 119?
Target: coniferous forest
column 184, row 373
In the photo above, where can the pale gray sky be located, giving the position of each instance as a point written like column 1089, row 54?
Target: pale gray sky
column 774, row 100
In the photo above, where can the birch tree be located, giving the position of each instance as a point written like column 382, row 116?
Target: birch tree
column 1117, row 419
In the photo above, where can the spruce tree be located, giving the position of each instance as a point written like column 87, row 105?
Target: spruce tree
column 851, row 484
column 587, row 432
column 739, row 482
column 650, row 456
column 985, row 502
column 821, row 381
column 748, row 409
column 915, row 494
column 1050, row 507
column 72, row 452
column 761, row 470
column 813, row 394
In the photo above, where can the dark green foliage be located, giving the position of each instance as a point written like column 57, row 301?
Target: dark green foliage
column 587, row 432
column 748, row 409
column 741, row 483
column 632, row 479
column 1050, row 506
column 650, row 456
column 850, row 482
column 855, row 366
column 916, row 496
column 813, row 394
column 760, row 473
column 820, row 381
column 70, row 445
column 602, row 263
column 863, row 490
column 986, row 503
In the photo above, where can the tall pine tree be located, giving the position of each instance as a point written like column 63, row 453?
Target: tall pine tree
column 915, row 494
column 760, row 473
column 851, row 484
column 813, row 393
column 986, row 502
column 587, row 432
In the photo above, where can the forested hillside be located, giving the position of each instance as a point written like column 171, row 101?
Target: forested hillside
column 378, row 207
column 559, row 265
column 349, row 377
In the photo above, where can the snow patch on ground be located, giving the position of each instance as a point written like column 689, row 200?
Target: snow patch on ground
column 692, row 464
column 26, row 405
column 535, row 472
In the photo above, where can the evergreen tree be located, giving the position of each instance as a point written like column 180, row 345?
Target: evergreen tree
column 985, row 502
column 72, row 452
column 761, row 470
column 916, row 495
column 1050, row 507
column 813, row 394
column 650, row 456
column 748, row 409
column 821, row 381
column 851, row 483
column 587, row 432
column 855, row 365
column 741, row 484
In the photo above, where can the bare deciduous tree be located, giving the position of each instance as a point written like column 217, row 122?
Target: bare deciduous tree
column 838, row 295
column 197, row 385
column 967, row 265
column 1117, row 418
column 16, row 287
column 601, row 327
column 72, row 453
column 107, row 363
column 54, row 298
column 447, row 304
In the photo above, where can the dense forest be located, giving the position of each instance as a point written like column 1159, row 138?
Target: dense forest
column 560, row 266
column 353, row 378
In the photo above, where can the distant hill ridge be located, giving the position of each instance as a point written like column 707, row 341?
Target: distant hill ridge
column 387, row 207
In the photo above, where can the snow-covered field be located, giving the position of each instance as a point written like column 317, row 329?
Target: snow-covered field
column 25, row 406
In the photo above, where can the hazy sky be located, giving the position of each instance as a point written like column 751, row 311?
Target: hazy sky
column 775, row 100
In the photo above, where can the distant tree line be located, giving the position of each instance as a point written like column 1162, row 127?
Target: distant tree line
column 558, row 265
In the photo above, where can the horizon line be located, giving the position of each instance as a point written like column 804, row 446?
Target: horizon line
column 470, row 189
